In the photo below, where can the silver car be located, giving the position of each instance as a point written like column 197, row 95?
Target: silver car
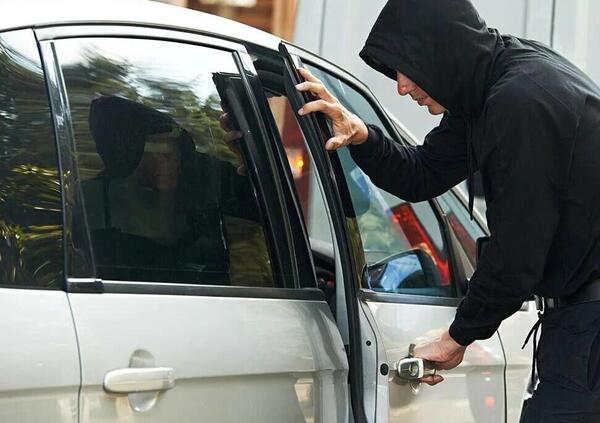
column 153, row 270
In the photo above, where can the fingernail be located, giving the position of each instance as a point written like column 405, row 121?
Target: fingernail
column 298, row 86
column 301, row 111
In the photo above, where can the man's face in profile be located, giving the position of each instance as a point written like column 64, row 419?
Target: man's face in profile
column 407, row 86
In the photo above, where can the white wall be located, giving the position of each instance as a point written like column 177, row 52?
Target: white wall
column 577, row 33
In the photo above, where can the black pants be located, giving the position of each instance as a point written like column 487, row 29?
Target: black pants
column 568, row 366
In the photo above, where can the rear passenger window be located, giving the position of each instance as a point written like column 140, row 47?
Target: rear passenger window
column 31, row 230
column 166, row 199
column 402, row 242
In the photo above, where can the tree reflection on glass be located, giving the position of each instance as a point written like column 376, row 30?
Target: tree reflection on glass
column 30, row 198
column 175, row 80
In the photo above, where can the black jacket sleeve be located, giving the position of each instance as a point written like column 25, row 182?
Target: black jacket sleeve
column 525, row 171
column 415, row 173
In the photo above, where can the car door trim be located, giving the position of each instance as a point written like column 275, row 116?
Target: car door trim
column 98, row 286
column 116, row 30
column 399, row 298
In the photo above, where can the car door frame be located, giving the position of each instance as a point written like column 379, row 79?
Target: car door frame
column 311, row 128
column 302, row 277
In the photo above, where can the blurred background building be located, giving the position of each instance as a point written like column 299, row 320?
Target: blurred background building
column 570, row 26
column 274, row 16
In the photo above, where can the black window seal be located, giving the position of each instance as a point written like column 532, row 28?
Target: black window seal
column 61, row 120
column 301, row 243
column 268, row 189
column 91, row 285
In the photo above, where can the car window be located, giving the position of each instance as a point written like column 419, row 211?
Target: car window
column 403, row 242
column 303, row 171
column 30, row 197
column 467, row 231
column 166, row 198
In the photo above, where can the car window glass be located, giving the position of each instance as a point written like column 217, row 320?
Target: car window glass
column 403, row 242
column 467, row 231
column 30, row 197
column 303, row 171
column 166, row 198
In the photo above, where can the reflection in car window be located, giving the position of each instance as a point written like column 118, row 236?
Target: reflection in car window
column 402, row 242
column 165, row 197
column 303, row 171
column 31, row 229
column 467, row 231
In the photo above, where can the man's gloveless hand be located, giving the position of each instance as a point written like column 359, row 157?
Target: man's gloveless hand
column 442, row 350
column 347, row 127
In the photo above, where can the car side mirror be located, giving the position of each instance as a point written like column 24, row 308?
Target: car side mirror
column 408, row 269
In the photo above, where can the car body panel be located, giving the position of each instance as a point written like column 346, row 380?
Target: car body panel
column 39, row 357
column 473, row 392
column 39, row 13
column 240, row 354
column 284, row 357
column 518, row 359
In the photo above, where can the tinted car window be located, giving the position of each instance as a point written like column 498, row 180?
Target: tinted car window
column 166, row 198
column 30, row 198
column 403, row 242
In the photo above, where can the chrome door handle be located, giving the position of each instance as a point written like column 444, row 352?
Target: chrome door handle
column 412, row 368
column 133, row 380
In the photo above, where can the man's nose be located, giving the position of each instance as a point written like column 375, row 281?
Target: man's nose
column 405, row 85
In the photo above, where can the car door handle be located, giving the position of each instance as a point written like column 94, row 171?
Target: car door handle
column 412, row 368
column 133, row 380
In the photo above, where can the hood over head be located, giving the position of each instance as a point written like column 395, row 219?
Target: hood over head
column 119, row 127
column 444, row 46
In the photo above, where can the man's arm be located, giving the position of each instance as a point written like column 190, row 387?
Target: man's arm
column 527, row 173
column 415, row 173
column 409, row 172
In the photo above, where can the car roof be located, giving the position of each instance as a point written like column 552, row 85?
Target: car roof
column 39, row 13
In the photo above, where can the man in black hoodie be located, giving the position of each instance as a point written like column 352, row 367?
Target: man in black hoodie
column 529, row 121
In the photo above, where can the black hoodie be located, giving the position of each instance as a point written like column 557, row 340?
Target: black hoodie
column 523, row 116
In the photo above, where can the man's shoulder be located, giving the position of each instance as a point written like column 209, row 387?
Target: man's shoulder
column 525, row 94
column 539, row 80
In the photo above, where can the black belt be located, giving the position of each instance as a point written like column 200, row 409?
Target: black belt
column 586, row 294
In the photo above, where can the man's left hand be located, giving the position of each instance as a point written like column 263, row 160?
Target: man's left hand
column 443, row 351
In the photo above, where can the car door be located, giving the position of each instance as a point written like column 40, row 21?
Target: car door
column 38, row 351
column 411, row 282
column 512, row 331
column 187, row 302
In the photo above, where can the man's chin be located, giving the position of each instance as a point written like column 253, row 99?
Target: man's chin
column 435, row 110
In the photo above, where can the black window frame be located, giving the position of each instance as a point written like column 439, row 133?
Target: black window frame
column 279, row 222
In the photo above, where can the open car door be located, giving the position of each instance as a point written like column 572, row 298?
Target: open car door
column 400, row 273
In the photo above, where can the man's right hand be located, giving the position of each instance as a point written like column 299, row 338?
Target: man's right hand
column 347, row 127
